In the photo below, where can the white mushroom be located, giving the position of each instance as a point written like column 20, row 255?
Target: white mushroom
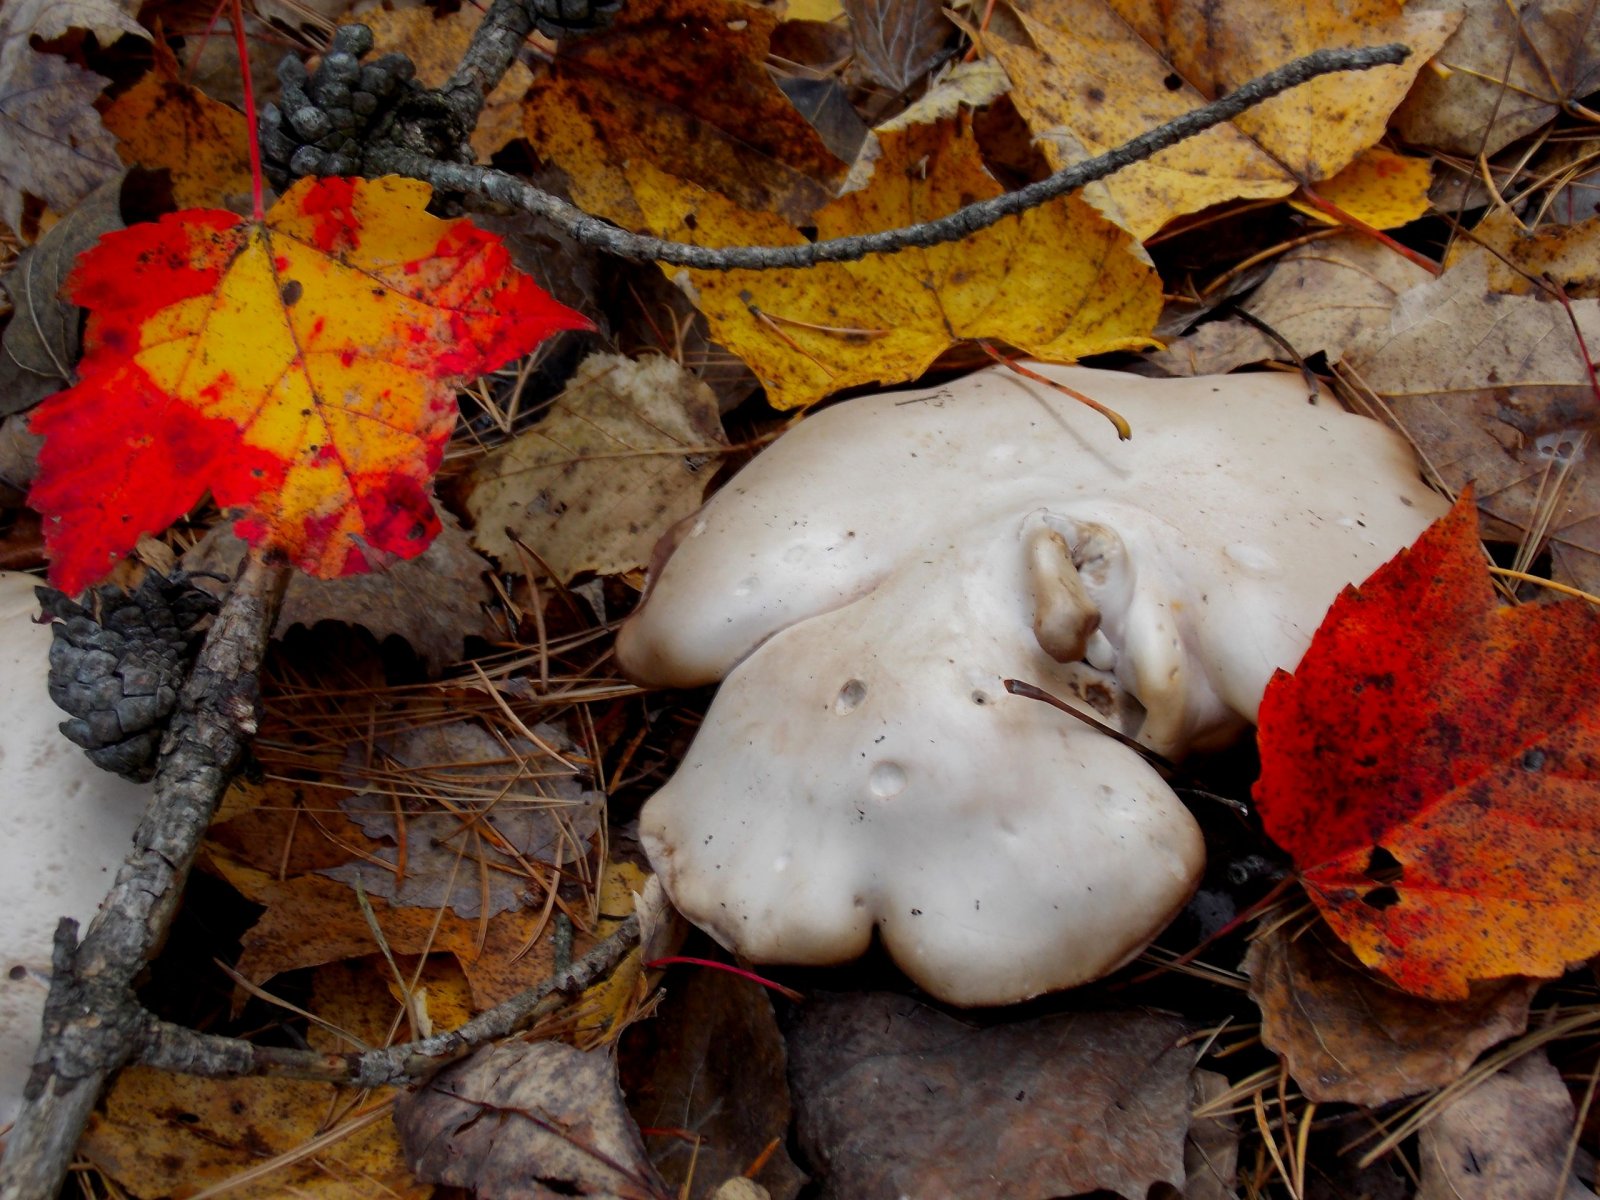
column 68, row 826
column 868, row 582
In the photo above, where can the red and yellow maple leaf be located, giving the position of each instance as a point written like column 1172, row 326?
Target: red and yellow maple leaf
column 1433, row 766
column 302, row 367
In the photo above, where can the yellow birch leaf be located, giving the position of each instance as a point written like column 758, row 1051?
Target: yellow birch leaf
column 163, row 123
column 1087, row 84
column 436, row 45
column 1058, row 283
column 1381, row 188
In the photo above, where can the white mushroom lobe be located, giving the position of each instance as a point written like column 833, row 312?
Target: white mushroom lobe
column 868, row 582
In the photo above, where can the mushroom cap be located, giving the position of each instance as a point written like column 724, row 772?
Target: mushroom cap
column 1262, row 504
column 868, row 769
column 867, row 582
column 68, row 827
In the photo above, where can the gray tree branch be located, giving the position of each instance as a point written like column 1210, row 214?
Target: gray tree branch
column 92, row 1020
column 500, row 188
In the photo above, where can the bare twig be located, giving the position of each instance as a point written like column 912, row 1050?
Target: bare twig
column 500, row 188
column 92, row 1021
column 174, row 1048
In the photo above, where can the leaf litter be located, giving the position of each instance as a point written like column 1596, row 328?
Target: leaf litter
column 372, row 773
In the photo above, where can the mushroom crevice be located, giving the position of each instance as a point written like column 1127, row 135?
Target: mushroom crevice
column 863, row 588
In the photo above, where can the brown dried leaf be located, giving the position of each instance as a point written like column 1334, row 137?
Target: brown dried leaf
column 1319, row 297
column 712, row 1061
column 684, row 85
column 1493, row 389
column 1211, row 1154
column 1507, row 70
column 623, row 455
column 1352, row 1037
column 1505, row 1139
column 166, row 123
column 895, row 1098
column 52, row 140
column 524, row 1121
column 897, row 40
column 40, row 347
column 499, row 802
column 433, row 601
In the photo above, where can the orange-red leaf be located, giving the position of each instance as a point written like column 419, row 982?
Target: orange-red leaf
column 1433, row 766
column 302, row 368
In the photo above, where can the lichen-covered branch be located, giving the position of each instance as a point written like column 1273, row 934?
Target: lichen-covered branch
column 500, row 188
column 174, row 1048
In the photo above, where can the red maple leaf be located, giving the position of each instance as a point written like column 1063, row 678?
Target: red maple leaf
column 302, row 367
column 1433, row 767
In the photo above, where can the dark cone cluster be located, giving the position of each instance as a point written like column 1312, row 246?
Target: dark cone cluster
column 572, row 18
column 118, row 670
column 323, row 122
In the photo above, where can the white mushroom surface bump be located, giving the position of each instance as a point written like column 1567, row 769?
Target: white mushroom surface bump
column 867, row 583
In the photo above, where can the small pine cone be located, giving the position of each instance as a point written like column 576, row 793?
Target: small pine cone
column 572, row 18
column 119, row 675
column 323, row 119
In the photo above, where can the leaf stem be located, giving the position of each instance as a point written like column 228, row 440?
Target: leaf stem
column 258, row 210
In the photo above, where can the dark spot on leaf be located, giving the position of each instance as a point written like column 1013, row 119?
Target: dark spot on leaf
column 1096, row 95
column 1533, row 760
column 291, row 292
column 1381, row 898
column 1172, row 82
column 1383, row 867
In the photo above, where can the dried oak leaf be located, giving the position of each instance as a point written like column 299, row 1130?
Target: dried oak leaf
column 433, row 601
column 52, row 144
column 1023, row 1111
column 40, row 346
column 528, row 1121
column 302, row 368
column 1433, row 767
column 1488, row 378
column 1505, row 72
column 1087, row 75
column 623, row 455
column 1351, row 1037
column 1058, row 282
column 682, row 84
column 1320, row 297
column 435, row 46
column 166, row 123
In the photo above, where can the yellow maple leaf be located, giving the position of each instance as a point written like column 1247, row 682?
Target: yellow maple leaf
column 1090, row 74
column 1059, row 282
